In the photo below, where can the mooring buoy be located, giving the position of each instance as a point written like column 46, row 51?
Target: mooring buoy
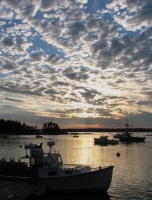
column 118, row 154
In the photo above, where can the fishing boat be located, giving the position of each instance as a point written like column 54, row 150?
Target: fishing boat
column 48, row 168
column 39, row 136
column 148, row 135
column 75, row 135
column 117, row 135
column 104, row 140
column 127, row 136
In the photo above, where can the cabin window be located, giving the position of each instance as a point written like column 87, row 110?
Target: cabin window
column 59, row 159
column 54, row 159
column 52, row 173
column 32, row 161
column 68, row 172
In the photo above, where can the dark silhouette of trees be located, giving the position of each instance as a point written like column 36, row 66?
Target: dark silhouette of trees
column 18, row 128
column 50, row 127
column 15, row 127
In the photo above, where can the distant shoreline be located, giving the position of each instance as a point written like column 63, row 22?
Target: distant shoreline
column 85, row 131
column 108, row 130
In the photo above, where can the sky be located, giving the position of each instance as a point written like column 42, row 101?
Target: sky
column 77, row 63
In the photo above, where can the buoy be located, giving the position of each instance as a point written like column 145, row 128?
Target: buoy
column 118, row 154
column 20, row 146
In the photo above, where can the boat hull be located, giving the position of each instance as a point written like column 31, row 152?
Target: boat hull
column 96, row 141
column 95, row 180
column 132, row 139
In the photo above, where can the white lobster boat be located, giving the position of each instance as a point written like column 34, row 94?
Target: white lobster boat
column 48, row 168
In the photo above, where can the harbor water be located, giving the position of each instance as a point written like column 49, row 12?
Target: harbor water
column 132, row 175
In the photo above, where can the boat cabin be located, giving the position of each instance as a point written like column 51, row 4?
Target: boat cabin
column 40, row 164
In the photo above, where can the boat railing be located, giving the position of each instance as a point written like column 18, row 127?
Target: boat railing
column 98, row 168
column 63, row 169
column 75, row 167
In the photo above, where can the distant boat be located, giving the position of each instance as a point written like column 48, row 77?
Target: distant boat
column 4, row 136
column 104, row 140
column 39, row 136
column 75, row 135
column 117, row 135
column 127, row 136
column 148, row 135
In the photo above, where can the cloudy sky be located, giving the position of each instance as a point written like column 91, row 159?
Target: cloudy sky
column 78, row 63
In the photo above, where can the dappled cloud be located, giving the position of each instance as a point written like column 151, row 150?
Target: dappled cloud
column 72, row 60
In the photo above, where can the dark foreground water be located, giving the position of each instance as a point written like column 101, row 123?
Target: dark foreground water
column 132, row 176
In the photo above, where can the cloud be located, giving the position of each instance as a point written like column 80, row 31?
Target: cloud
column 73, row 75
column 48, row 5
column 91, row 61
column 75, row 31
column 8, row 66
column 38, row 56
column 14, row 100
column 20, row 90
column 53, row 59
column 8, row 42
column 136, row 15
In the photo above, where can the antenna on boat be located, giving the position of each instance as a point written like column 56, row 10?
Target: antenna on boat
column 50, row 144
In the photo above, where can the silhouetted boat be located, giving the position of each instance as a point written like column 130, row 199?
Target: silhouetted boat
column 127, row 136
column 104, row 140
column 148, row 135
column 48, row 168
column 117, row 135
column 75, row 135
column 39, row 136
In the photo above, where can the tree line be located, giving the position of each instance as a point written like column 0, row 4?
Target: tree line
column 16, row 127
column 9, row 126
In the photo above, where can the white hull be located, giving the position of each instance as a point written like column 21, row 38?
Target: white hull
column 95, row 180
column 100, row 179
column 48, row 168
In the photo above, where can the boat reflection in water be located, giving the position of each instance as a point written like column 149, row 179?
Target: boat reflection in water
column 76, row 196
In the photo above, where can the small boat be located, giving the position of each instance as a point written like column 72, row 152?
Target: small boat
column 75, row 135
column 49, row 169
column 127, row 136
column 104, row 140
column 4, row 136
column 39, row 136
column 148, row 135
column 117, row 135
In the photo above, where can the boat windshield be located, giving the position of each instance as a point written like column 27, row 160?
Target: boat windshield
column 53, row 159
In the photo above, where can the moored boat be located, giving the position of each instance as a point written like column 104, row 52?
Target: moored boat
column 75, row 135
column 39, row 136
column 127, row 136
column 104, row 140
column 117, row 135
column 49, row 168
column 148, row 135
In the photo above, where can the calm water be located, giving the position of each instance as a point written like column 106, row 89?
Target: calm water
column 132, row 176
